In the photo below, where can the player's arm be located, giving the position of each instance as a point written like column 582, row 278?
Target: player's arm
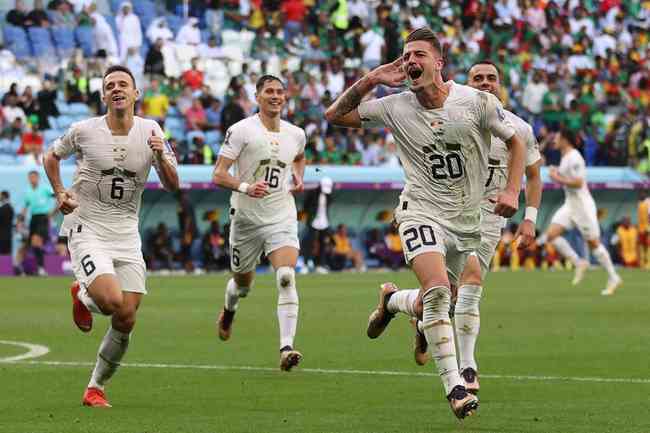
column 222, row 178
column 526, row 230
column 298, row 172
column 570, row 181
column 344, row 111
column 165, row 163
column 65, row 200
column 507, row 200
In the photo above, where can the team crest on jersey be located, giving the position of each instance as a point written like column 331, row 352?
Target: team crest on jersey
column 119, row 153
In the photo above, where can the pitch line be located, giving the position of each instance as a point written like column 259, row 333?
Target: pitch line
column 336, row 371
column 33, row 351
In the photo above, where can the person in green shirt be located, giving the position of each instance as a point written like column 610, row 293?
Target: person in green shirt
column 40, row 204
column 552, row 105
column 573, row 119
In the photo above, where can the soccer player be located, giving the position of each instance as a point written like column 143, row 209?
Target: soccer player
column 483, row 76
column 267, row 153
column 442, row 130
column 643, row 220
column 118, row 151
column 578, row 210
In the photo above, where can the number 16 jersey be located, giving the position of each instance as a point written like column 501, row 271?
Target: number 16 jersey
column 260, row 154
column 444, row 151
column 111, row 174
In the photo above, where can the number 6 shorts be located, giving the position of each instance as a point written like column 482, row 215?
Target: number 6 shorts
column 92, row 257
column 420, row 234
column 249, row 240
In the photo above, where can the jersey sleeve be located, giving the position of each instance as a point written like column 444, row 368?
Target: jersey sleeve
column 168, row 152
column 577, row 168
column 373, row 113
column 233, row 143
column 532, row 147
column 66, row 145
column 302, row 141
column 495, row 119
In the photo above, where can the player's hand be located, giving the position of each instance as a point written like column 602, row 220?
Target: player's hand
column 156, row 144
column 507, row 203
column 298, row 184
column 258, row 189
column 525, row 235
column 66, row 202
column 390, row 74
column 554, row 174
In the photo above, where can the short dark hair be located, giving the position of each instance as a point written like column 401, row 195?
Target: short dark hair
column 118, row 68
column 570, row 136
column 264, row 79
column 486, row 62
column 425, row 34
column 32, row 172
column 4, row 195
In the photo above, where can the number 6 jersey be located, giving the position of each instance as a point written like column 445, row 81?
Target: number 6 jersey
column 111, row 173
column 444, row 151
column 260, row 154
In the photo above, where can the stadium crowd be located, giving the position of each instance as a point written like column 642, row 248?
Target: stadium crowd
column 581, row 65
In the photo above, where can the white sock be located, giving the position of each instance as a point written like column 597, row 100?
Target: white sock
column 440, row 335
column 85, row 299
column 467, row 323
column 110, row 354
column 287, row 305
column 565, row 249
column 233, row 293
column 602, row 255
column 403, row 301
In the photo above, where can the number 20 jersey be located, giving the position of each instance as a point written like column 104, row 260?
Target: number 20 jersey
column 111, row 174
column 260, row 154
column 444, row 151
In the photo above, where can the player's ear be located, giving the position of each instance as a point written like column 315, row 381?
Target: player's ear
column 137, row 93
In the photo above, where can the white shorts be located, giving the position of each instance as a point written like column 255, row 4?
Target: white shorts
column 249, row 240
column 584, row 218
column 420, row 235
column 92, row 257
column 485, row 252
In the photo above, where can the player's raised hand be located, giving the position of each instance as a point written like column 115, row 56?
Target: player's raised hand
column 390, row 74
column 258, row 189
column 525, row 235
column 298, row 184
column 507, row 204
column 156, row 144
column 553, row 173
column 66, row 202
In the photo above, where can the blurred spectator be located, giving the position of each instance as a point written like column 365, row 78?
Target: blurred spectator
column 534, row 93
column 158, row 29
column 211, row 50
column 193, row 77
column 213, row 246
column 294, row 12
column 6, row 224
column 154, row 64
column 13, row 130
column 32, row 143
column 188, row 235
column 38, row 16
column 643, row 219
column 27, row 103
column 373, row 47
column 12, row 110
column 128, row 26
column 160, row 246
column 626, row 239
column 135, row 63
column 46, row 98
column 232, row 113
column 189, row 33
column 156, row 103
column 61, row 15
column 317, row 242
column 213, row 115
column 393, row 255
column 13, row 91
column 40, row 204
column 342, row 251
column 18, row 15
column 186, row 213
column 103, row 36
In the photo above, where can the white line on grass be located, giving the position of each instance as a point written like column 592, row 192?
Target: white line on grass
column 335, row 371
column 34, row 351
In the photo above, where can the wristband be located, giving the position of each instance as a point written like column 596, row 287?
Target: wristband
column 531, row 214
column 243, row 188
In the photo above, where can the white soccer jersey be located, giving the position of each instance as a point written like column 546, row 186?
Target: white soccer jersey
column 573, row 165
column 260, row 154
column 111, row 175
column 498, row 167
column 444, row 151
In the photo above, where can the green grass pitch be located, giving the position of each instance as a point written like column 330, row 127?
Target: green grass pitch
column 553, row 359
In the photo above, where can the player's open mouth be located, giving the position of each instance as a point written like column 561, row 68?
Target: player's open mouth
column 414, row 74
column 119, row 98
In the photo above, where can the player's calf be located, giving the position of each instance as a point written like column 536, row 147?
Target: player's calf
column 288, row 305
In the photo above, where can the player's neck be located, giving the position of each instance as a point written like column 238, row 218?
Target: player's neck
column 565, row 150
column 272, row 123
column 119, row 123
column 434, row 96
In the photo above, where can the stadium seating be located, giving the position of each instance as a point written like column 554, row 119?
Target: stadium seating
column 64, row 40
column 41, row 41
column 16, row 41
column 84, row 37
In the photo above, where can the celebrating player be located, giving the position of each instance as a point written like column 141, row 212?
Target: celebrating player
column 578, row 210
column 117, row 152
column 483, row 76
column 267, row 154
column 443, row 131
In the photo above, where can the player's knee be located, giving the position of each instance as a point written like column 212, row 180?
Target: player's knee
column 112, row 303
column 124, row 323
column 285, row 277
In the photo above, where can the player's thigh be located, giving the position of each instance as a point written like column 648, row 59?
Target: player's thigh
column 430, row 269
column 281, row 244
column 132, row 275
column 586, row 220
column 246, row 246
column 480, row 266
column 560, row 221
column 93, row 267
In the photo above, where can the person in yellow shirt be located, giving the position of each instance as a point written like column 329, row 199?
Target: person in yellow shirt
column 627, row 239
column 343, row 251
column 156, row 103
column 643, row 218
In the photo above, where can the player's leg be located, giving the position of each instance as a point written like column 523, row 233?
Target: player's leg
column 431, row 271
column 283, row 261
column 245, row 250
column 561, row 221
column 604, row 259
column 282, row 248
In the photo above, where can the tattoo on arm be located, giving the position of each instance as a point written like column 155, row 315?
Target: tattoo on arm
column 348, row 101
